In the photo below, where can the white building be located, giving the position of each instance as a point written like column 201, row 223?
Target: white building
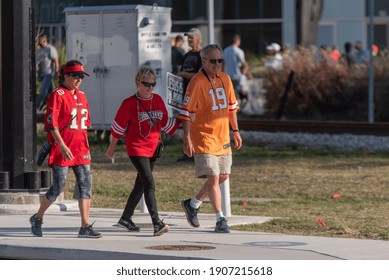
column 259, row 22
column 342, row 21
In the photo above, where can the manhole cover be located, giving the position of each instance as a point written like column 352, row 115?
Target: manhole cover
column 181, row 248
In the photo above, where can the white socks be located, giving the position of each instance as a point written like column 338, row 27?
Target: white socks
column 194, row 203
column 219, row 215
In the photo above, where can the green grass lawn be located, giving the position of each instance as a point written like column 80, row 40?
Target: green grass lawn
column 300, row 182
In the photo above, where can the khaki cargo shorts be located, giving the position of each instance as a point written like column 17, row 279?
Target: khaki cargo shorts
column 211, row 165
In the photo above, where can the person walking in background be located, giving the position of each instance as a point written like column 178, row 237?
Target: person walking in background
column 374, row 49
column 177, row 54
column 323, row 55
column 335, row 54
column 287, row 55
column 361, row 55
column 210, row 96
column 67, row 120
column 275, row 59
column 47, row 67
column 191, row 64
column 234, row 62
column 140, row 118
column 244, row 84
column 348, row 56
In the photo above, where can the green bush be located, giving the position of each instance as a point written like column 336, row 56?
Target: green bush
column 326, row 90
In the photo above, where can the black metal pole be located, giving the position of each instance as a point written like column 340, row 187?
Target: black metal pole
column 284, row 96
column 1, row 92
column 371, row 63
column 18, row 124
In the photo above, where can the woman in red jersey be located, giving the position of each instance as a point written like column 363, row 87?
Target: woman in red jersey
column 67, row 120
column 140, row 118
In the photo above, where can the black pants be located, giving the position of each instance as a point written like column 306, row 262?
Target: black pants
column 144, row 183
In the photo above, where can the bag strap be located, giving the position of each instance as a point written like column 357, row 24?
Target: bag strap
column 145, row 109
column 160, row 139
column 68, row 123
column 65, row 126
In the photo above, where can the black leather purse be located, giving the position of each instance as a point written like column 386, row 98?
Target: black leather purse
column 43, row 152
column 159, row 149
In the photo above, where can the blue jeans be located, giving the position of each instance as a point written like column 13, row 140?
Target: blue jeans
column 46, row 87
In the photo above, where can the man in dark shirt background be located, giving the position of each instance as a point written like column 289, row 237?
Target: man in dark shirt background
column 177, row 54
column 191, row 64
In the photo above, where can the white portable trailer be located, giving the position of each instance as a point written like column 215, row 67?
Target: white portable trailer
column 112, row 42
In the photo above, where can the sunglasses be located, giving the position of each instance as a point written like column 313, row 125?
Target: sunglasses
column 77, row 76
column 213, row 61
column 146, row 84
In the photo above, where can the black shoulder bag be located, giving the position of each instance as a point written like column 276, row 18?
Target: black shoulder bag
column 46, row 147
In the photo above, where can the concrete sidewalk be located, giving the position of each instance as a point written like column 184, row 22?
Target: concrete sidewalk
column 60, row 240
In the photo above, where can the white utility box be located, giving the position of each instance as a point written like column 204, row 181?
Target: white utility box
column 112, row 42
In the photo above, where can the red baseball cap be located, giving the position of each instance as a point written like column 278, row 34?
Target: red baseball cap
column 75, row 69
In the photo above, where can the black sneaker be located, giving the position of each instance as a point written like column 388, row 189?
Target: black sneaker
column 88, row 232
column 128, row 225
column 36, row 225
column 221, row 226
column 160, row 228
column 191, row 213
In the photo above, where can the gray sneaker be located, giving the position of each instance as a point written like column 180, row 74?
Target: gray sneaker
column 221, row 226
column 191, row 213
column 88, row 232
column 36, row 225
column 128, row 225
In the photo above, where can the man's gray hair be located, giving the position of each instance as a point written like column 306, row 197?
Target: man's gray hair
column 209, row 48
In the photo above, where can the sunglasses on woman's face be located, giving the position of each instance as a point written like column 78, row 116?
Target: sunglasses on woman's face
column 147, row 84
column 77, row 76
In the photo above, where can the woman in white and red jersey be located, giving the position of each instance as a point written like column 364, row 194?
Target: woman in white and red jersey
column 141, row 117
column 67, row 120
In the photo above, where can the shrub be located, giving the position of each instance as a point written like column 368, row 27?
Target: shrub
column 326, row 90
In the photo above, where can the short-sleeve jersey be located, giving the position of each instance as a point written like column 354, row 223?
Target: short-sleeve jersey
column 70, row 113
column 133, row 120
column 211, row 101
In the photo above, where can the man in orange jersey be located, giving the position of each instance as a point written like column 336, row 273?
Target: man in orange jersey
column 211, row 99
